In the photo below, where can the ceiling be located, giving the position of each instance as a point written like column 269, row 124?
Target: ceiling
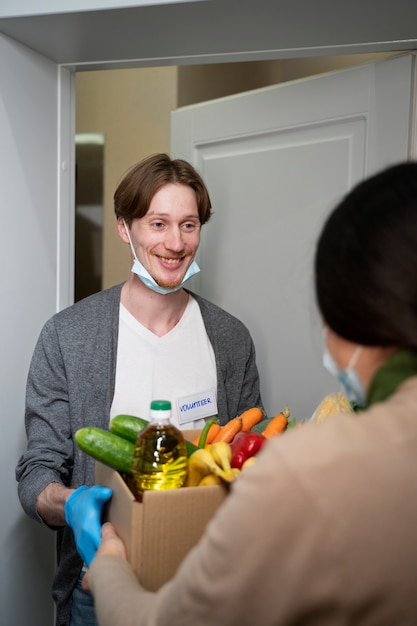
column 210, row 31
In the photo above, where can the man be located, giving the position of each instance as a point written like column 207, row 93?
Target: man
column 115, row 351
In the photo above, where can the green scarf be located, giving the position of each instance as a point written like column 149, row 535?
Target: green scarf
column 391, row 374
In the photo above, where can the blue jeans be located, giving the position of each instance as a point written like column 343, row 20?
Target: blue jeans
column 82, row 607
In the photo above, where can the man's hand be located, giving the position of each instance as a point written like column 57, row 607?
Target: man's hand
column 83, row 511
column 51, row 502
column 111, row 544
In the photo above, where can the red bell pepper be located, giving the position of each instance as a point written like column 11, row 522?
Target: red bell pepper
column 245, row 445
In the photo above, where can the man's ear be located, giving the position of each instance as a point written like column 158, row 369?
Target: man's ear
column 122, row 230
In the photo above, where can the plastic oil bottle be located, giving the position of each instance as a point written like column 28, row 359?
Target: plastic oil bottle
column 160, row 458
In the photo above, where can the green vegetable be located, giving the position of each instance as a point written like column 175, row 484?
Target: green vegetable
column 190, row 447
column 113, row 449
column 205, row 431
column 127, row 426
column 106, row 447
column 292, row 423
column 260, row 426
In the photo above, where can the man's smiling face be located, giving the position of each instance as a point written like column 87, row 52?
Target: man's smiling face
column 166, row 239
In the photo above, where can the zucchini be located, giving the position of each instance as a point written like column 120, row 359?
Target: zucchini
column 106, row 447
column 127, row 426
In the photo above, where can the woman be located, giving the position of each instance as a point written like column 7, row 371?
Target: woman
column 366, row 288
column 321, row 531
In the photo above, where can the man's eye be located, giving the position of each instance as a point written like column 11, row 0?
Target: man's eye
column 189, row 226
column 158, row 225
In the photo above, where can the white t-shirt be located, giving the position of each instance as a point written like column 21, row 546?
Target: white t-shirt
column 180, row 367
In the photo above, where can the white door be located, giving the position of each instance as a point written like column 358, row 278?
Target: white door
column 35, row 280
column 276, row 160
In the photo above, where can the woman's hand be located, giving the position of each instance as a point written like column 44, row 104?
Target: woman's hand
column 111, row 544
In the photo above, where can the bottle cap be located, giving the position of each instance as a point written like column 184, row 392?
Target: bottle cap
column 161, row 405
column 160, row 410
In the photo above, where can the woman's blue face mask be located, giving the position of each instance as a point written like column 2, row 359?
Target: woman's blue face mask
column 348, row 376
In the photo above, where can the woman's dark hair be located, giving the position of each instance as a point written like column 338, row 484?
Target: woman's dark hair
column 136, row 190
column 366, row 261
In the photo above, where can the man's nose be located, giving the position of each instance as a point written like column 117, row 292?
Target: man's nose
column 174, row 240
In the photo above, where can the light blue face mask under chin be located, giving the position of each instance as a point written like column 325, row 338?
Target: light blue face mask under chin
column 150, row 282
column 142, row 273
column 352, row 386
column 348, row 377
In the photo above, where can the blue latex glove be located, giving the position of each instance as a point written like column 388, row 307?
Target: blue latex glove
column 83, row 511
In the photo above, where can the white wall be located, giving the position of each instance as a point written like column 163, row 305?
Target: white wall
column 11, row 8
column 28, row 277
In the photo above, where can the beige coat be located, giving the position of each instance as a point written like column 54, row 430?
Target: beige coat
column 321, row 531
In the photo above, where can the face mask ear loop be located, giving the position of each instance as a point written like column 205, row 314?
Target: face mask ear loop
column 355, row 356
column 130, row 241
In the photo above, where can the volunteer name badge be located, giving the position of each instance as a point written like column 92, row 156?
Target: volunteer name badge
column 197, row 406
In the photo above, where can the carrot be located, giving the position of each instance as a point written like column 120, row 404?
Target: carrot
column 229, row 430
column 278, row 424
column 251, row 417
column 210, row 430
column 214, row 430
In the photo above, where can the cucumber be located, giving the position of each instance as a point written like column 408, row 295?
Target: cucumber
column 106, row 447
column 127, row 426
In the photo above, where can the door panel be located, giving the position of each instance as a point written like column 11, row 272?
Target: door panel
column 276, row 160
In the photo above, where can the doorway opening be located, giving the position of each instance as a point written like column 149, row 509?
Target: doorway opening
column 89, row 168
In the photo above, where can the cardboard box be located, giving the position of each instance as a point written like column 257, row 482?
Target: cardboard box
column 159, row 531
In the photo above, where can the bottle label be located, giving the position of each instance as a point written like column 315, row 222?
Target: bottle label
column 197, row 406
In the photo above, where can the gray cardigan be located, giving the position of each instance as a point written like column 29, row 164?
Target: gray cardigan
column 71, row 384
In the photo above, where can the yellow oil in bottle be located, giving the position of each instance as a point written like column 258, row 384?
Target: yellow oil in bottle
column 160, row 458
